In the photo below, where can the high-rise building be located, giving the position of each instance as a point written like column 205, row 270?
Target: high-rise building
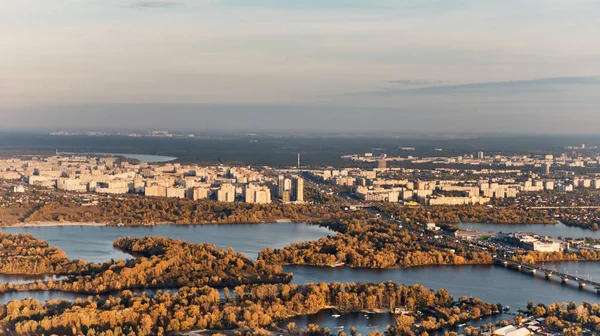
column 250, row 193
column 257, row 194
column 178, row 192
column 382, row 164
column 546, row 169
column 480, row 155
column 297, row 189
column 226, row 193
column 280, row 185
column 155, row 190
column 198, row 193
column 284, row 188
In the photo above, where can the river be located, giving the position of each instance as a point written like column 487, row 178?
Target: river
column 552, row 230
column 489, row 283
column 94, row 243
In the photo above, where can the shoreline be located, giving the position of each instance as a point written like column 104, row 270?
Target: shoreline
column 59, row 224
column 54, row 224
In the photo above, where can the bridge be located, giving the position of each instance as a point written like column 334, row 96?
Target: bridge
column 549, row 273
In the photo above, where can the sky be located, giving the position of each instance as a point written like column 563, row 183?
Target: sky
column 476, row 66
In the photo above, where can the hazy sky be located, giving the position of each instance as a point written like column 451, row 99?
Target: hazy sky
column 418, row 65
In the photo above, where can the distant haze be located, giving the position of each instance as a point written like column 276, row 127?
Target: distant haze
column 512, row 66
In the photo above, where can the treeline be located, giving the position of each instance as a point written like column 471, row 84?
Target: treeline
column 374, row 245
column 136, row 210
column 533, row 257
column 251, row 308
column 165, row 263
column 466, row 214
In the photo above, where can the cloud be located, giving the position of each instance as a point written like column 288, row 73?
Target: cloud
column 151, row 4
column 418, row 82
column 504, row 87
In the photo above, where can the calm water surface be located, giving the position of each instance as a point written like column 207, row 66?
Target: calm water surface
column 552, row 230
column 94, row 243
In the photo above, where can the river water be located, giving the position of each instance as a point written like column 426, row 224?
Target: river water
column 552, row 230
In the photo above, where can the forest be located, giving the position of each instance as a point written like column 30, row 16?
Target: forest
column 374, row 245
column 248, row 309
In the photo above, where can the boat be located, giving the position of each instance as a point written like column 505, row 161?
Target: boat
column 462, row 325
column 507, row 308
column 336, row 315
column 339, row 327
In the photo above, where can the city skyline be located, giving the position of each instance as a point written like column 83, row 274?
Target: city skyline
column 331, row 65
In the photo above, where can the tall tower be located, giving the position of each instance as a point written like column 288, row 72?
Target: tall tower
column 298, row 160
column 298, row 189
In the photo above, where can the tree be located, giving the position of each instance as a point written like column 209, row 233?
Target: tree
column 291, row 327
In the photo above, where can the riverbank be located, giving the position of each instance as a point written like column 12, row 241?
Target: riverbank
column 50, row 224
column 344, row 265
column 55, row 224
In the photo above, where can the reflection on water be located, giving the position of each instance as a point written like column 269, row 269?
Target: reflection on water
column 552, row 230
